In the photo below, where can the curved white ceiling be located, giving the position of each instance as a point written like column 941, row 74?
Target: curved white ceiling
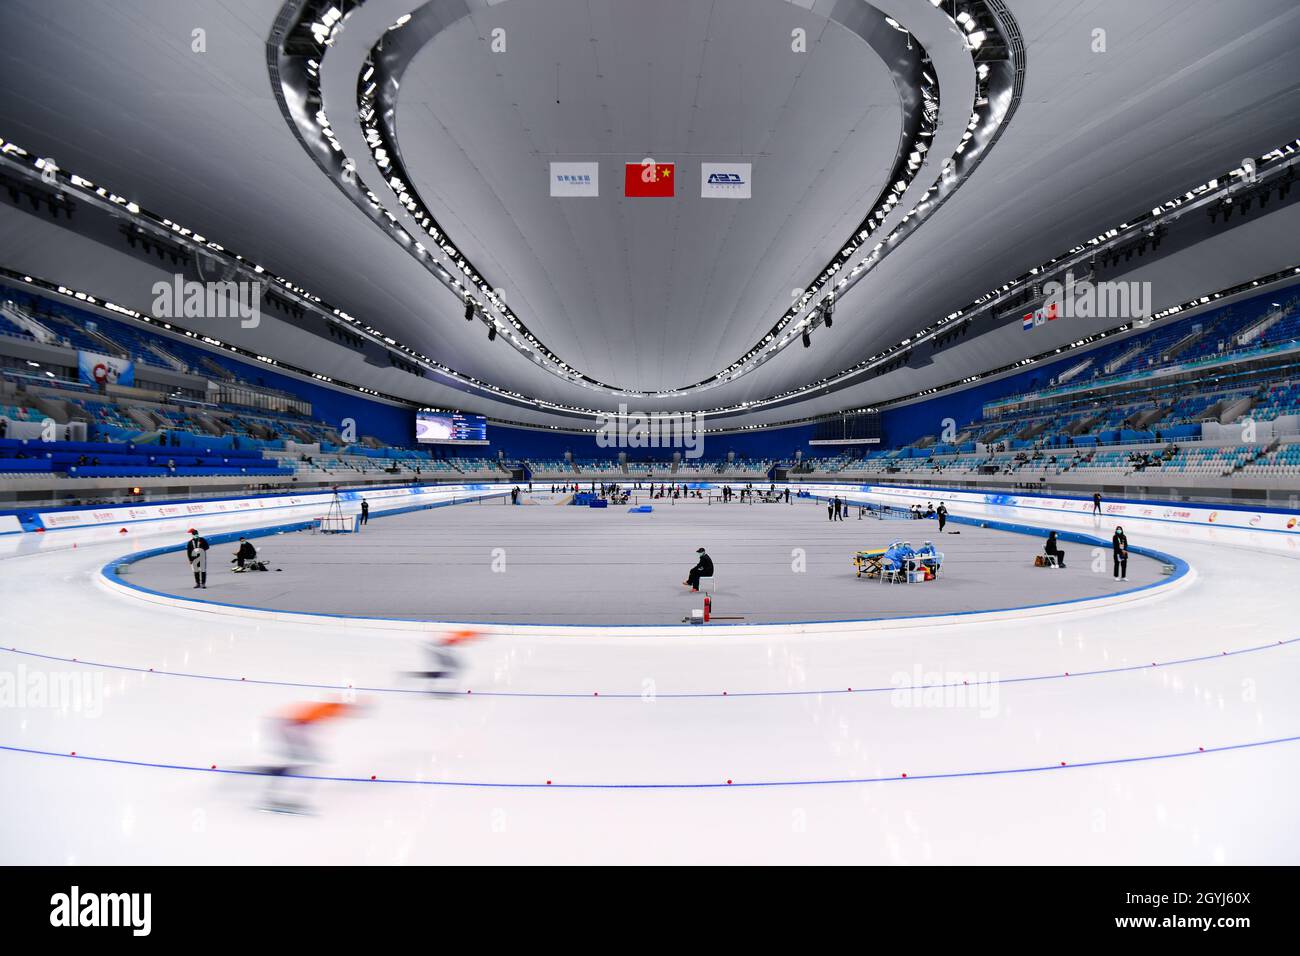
column 484, row 120
column 643, row 293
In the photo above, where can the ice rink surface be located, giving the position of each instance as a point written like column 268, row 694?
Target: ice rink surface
column 1163, row 729
column 556, row 564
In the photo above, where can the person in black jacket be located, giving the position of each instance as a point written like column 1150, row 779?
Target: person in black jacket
column 1096, row 502
column 1119, row 553
column 703, row 569
column 196, row 551
column 365, row 511
column 245, row 554
column 1052, row 549
column 942, row 513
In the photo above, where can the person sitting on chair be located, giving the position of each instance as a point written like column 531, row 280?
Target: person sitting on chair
column 703, row 569
column 1053, row 550
column 928, row 556
column 245, row 554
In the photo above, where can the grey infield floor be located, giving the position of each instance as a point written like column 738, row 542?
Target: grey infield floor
column 570, row 565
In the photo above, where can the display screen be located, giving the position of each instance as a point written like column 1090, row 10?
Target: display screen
column 449, row 428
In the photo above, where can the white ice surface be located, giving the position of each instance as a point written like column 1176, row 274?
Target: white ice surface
column 959, row 802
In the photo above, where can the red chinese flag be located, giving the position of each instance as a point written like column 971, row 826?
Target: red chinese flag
column 649, row 180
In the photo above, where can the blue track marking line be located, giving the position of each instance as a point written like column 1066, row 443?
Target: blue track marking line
column 588, row 695
column 902, row 777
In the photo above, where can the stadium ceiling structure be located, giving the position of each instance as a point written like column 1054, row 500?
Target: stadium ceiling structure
column 391, row 158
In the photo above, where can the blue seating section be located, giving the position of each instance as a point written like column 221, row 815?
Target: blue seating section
column 114, row 460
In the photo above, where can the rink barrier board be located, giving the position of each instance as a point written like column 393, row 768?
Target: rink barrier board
column 224, row 537
column 64, row 519
column 1180, row 576
column 932, row 492
column 1258, row 519
column 1198, row 515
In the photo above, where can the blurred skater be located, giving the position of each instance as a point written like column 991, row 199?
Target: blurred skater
column 446, row 663
column 295, row 733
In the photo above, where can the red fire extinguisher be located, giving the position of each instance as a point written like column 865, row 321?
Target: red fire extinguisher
column 708, row 606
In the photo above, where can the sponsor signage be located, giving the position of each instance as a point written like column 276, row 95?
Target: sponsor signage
column 1153, row 511
column 575, row 179
column 196, row 509
column 725, row 180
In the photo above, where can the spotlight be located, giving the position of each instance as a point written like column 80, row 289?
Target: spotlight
column 492, row 333
column 469, row 311
column 807, row 339
column 828, row 313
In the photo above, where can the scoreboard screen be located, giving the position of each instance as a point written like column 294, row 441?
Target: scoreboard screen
column 449, row 428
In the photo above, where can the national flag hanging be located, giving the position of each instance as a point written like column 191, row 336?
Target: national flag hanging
column 1048, row 313
column 649, row 179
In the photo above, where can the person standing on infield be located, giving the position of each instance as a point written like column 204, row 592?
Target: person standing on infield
column 196, row 551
